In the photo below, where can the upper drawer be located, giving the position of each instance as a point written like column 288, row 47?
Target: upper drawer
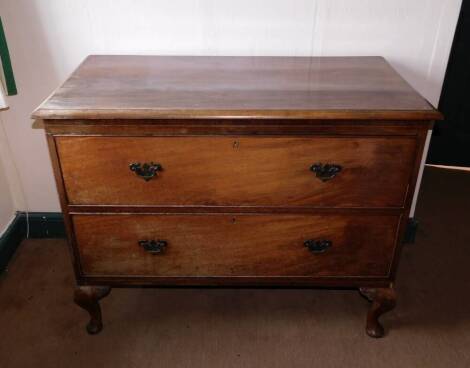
column 226, row 171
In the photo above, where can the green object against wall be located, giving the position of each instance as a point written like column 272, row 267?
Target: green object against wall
column 6, row 64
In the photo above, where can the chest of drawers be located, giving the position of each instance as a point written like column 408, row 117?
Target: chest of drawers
column 236, row 171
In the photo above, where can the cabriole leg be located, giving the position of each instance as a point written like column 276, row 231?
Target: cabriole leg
column 383, row 300
column 87, row 297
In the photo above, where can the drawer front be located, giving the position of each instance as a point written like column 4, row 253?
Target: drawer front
column 236, row 245
column 223, row 171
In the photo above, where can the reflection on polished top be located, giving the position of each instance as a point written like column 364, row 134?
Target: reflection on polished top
column 154, row 87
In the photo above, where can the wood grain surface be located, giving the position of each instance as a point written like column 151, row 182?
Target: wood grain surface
column 138, row 87
column 234, row 199
column 236, row 245
column 273, row 171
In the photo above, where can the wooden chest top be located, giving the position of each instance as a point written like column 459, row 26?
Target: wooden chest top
column 192, row 87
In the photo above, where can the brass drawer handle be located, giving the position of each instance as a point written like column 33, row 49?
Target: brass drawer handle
column 318, row 246
column 325, row 172
column 154, row 246
column 146, row 170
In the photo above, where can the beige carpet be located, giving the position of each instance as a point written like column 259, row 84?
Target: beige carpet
column 41, row 327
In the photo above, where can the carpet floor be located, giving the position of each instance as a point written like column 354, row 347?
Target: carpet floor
column 430, row 327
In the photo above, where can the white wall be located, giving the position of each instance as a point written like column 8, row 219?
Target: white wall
column 7, row 203
column 48, row 39
column 7, row 210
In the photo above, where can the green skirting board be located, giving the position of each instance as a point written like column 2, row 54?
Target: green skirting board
column 41, row 225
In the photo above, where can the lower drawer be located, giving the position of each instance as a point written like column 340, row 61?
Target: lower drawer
column 236, row 245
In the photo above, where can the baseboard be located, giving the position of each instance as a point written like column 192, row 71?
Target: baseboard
column 9, row 241
column 45, row 224
column 41, row 225
column 410, row 232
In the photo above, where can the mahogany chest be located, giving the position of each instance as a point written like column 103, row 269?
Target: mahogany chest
column 236, row 171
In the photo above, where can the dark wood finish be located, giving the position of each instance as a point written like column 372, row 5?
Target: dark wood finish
column 268, row 127
column 140, row 87
column 88, row 298
column 227, row 171
column 382, row 300
column 236, row 282
column 100, row 209
column 236, row 245
column 236, row 199
column 63, row 201
column 411, row 190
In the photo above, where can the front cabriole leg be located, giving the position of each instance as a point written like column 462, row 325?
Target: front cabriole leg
column 87, row 297
column 383, row 300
